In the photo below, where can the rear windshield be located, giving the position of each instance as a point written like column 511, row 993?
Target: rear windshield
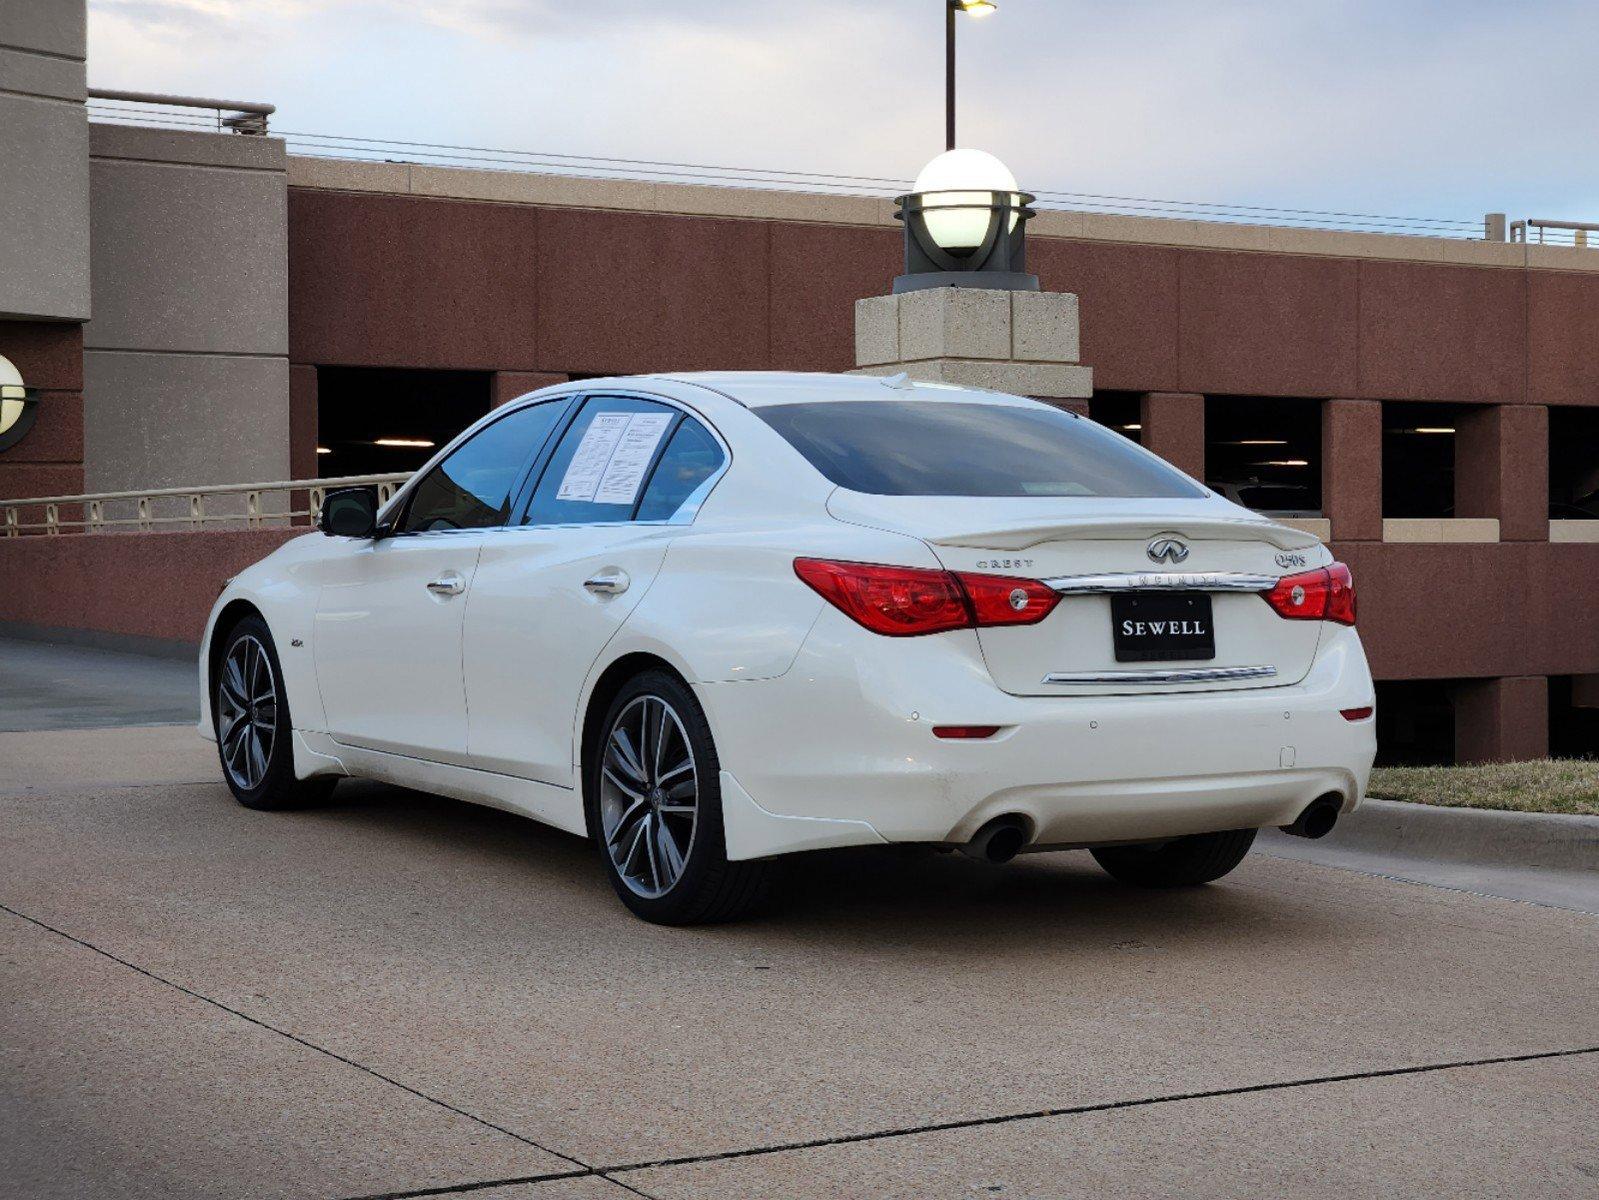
column 951, row 448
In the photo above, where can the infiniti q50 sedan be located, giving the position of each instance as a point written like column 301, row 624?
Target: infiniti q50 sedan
column 708, row 620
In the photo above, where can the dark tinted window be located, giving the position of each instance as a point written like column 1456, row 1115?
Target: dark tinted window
column 954, row 448
column 601, row 463
column 691, row 458
column 471, row 488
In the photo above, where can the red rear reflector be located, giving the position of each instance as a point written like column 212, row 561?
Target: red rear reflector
column 907, row 601
column 1004, row 600
column 894, row 601
column 1325, row 594
column 965, row 731
column 1356, row 714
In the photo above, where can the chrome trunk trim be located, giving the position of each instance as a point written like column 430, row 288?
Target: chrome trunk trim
column 1179, row 675
column 1157, row 581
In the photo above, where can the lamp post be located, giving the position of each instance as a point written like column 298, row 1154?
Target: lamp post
column 977, row 8
column 18, row 405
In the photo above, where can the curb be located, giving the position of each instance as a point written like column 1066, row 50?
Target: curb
column 1478, row 836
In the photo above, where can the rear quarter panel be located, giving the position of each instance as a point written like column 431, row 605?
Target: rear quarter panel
column 727, row 605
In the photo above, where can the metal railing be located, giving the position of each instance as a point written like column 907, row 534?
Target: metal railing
column 540, row 162
column 254, row 506
column 157, row 108
column 152, row 108
column 1557, row 233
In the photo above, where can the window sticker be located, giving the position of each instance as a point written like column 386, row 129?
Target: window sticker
column 583, row 473
column 625, row 472
column 610, row 461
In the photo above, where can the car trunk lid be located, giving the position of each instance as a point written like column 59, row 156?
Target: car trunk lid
column 1099, row 555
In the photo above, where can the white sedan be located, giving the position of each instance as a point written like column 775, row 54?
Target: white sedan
column 708, row 620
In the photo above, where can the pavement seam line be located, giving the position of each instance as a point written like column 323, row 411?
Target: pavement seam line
column 584, row 1168
column 608, row 1173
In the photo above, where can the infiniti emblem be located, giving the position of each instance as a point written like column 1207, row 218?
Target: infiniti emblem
column 1166, row 548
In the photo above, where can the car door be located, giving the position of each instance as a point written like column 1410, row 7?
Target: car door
column 552, row 590
column 387, row 635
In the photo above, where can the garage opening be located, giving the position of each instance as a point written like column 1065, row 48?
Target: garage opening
column 378, row 420
column 1265, row 453
column 1573, row 464
column 1418, row 459
column 1415, row 723
column 1121, row 411
column 1574, row 716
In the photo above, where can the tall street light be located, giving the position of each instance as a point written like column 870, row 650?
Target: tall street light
column 977, row 8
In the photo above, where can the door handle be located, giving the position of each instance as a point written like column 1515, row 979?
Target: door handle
column 448, row 584
column 608, row 583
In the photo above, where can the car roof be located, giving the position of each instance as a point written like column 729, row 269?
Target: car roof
column 758, row 389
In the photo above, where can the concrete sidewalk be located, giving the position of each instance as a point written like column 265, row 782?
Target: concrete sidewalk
column 1541, row 858
column 49, row 685
column 398, row 993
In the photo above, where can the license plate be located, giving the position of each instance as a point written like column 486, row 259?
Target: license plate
column 1162, row 626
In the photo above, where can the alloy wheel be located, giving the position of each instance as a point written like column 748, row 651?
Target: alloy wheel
column 247, row 725
column 649, row 796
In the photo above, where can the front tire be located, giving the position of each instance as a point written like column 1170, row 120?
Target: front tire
column 1182, row 862
column 653, row 799
column 254, row 731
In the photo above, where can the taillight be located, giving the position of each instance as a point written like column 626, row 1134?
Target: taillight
column 1002, row 600
column 895, row 601
column 909, row 601
column 1325, row 594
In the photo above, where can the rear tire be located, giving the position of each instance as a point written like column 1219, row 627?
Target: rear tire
column 1182, row 862
column 653, row 798
column 255, row 733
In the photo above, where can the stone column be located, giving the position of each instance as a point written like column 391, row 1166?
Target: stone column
column 508, row 385
column 1502, row 469
column 1174, row 428
column 303, row 421
column 1020, row 342
column 1501, row 720
column 1351, row 469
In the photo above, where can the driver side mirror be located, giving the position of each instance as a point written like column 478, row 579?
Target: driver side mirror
column 349, row 512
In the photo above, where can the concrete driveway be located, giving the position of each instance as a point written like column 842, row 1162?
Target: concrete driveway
column 401, row 995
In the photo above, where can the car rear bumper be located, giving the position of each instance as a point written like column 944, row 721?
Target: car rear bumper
column 840, row 750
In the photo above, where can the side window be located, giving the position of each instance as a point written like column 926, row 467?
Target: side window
column 692, row 457
column 599, row 468
column 471, row 488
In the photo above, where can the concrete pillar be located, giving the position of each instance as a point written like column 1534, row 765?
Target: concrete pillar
column 1174, row 428
column 508, row 385
column 1025, row 343
column 186, row 361
column 1351, row 469
column 303, row 420
column 44, row 146
column 1501, row 720
column 1502, row 469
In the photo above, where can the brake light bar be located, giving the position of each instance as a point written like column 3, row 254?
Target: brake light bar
column 1325, row 594
column 912, row 601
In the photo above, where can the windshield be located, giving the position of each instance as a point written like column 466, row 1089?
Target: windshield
column 953, row 448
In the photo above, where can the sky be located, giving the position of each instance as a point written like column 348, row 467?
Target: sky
column 1431, row 109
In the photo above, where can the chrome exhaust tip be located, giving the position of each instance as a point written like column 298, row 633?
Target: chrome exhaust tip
column 1318, row 819
column 999, row 841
